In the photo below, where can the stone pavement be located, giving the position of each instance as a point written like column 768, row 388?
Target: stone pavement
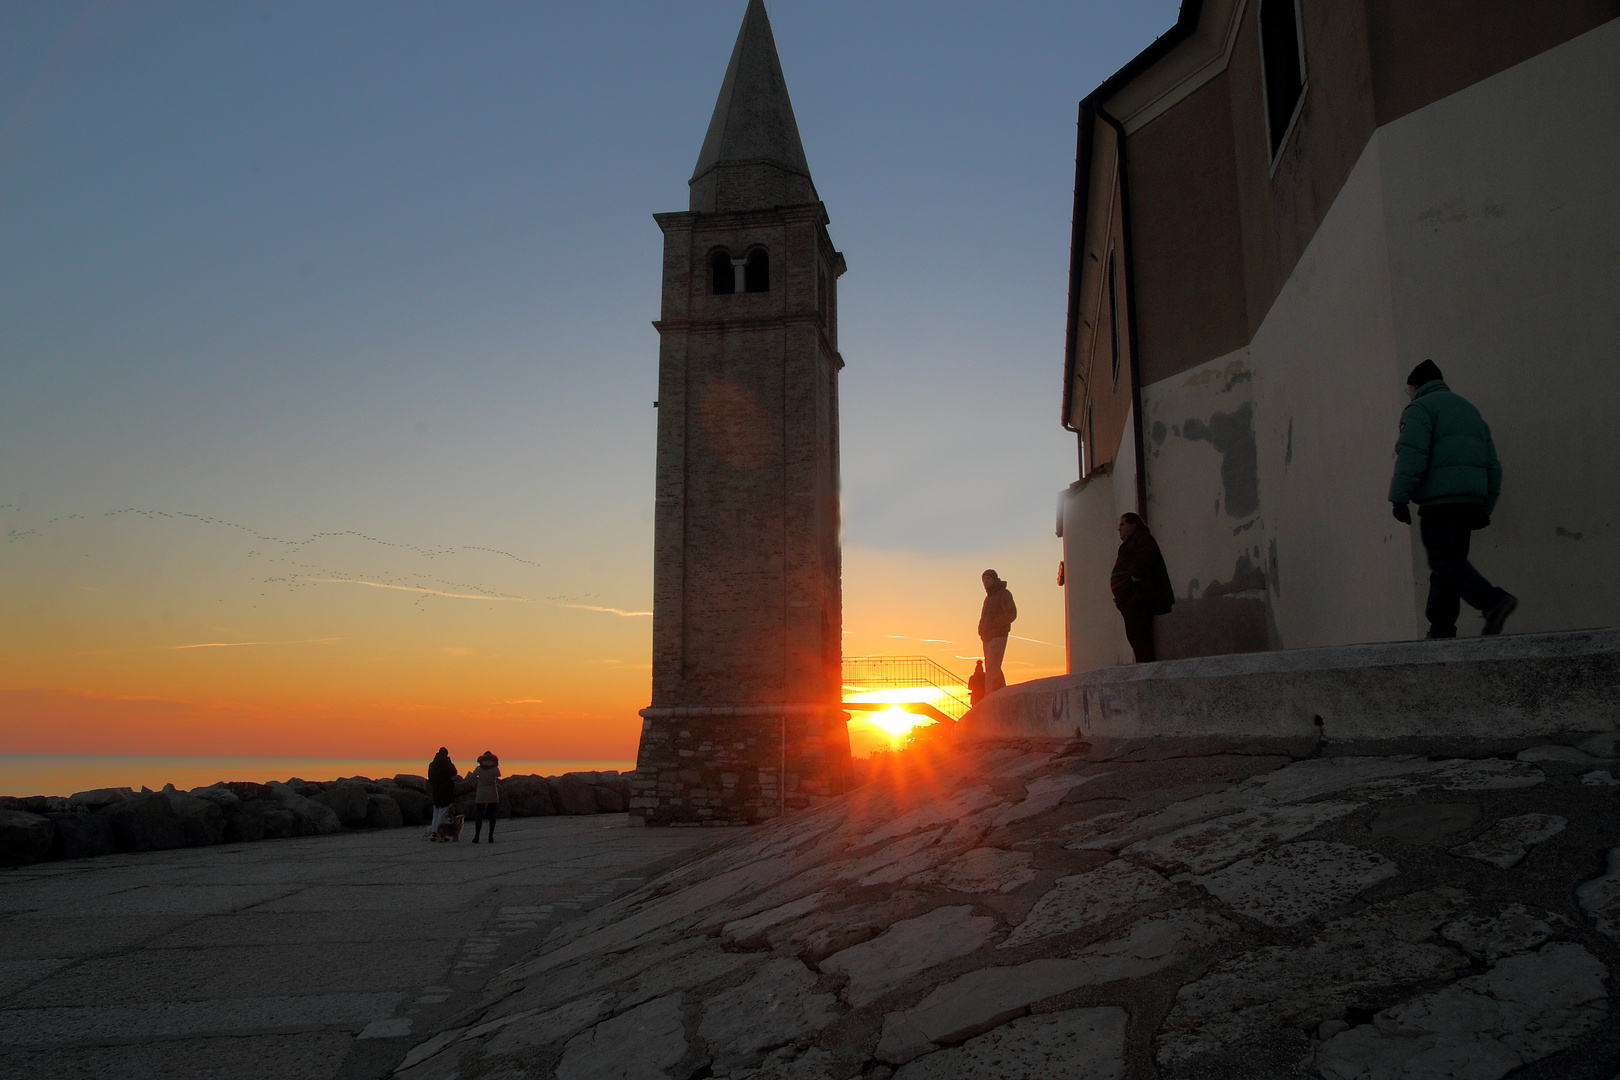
column 321, row 957
column 1168, row 909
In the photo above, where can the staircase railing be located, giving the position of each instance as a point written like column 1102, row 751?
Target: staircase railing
column 940, row 692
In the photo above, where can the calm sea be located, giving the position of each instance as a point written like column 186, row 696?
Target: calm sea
column 63, row 774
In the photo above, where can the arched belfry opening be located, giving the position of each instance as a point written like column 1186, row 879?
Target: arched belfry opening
column 722, row 274
column 757, row 271
column 746, row 719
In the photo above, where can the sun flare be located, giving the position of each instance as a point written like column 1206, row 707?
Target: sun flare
column 896, row 721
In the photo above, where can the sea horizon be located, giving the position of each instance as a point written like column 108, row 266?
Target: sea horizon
column 64, row 774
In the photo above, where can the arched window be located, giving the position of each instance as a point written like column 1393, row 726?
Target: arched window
column 757, row 274
column 722, row 274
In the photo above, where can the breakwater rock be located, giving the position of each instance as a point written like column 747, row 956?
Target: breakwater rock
column 1172, row 909
column 107, row 820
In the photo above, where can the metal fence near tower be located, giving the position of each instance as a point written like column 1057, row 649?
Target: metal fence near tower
column 909, row 679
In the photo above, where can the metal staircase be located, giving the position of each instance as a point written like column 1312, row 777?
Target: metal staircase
column 940, row 693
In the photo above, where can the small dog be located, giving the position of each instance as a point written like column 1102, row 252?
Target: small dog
column 450, row 830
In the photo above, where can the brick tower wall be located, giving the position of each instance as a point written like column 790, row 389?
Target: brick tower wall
column 747, row 609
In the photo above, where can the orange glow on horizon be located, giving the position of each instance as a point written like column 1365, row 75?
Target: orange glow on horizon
column 131, row 634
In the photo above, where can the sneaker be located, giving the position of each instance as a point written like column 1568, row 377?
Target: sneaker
column 1496, row 616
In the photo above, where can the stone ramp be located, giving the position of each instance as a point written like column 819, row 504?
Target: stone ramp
column 322, row 957
column 1516, row 685
column 1062, row 910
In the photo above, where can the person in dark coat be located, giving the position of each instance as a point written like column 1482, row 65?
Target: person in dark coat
column 976, row 683
column 1141, row 585
column 995, row 626
column 1446, row 462
column 442, row 776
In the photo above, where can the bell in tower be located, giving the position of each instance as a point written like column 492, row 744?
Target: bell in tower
column 746, row 718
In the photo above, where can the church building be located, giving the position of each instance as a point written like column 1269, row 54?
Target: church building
column 745, row 720
column 1281, row 208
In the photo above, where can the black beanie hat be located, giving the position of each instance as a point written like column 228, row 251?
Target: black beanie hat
column 1424, row 373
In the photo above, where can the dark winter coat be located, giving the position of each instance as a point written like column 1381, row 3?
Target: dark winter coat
column 1140, row 558
column 999, row 611
column 442, row 777
column 1445, row 453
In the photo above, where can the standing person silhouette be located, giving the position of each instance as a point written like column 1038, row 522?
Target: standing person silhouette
column 995, row 624
column 487, row 775
column 441, row 775
column 1141, row 585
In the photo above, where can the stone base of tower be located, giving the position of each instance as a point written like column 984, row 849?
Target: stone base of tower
column 736, row 765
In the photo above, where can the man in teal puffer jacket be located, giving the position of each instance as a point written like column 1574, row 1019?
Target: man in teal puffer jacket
column 1446, row 463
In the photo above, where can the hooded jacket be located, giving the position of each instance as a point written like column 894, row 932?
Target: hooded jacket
column 999, row 611
column 487, row 773
column 442, row 776
column 1444, row 453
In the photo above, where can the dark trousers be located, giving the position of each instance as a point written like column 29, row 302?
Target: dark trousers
column 1139, row 632
column 1446, row 530
column 482, row 812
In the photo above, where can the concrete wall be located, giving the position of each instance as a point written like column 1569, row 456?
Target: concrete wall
column 1479, row 231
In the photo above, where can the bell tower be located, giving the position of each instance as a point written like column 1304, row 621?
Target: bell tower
column 745, row 719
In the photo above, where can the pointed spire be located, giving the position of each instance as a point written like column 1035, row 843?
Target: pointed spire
column 752, row 156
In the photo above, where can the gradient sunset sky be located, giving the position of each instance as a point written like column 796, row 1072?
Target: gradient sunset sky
column 326, row 365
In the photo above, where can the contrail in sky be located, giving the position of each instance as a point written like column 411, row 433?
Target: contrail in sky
column 239, row 644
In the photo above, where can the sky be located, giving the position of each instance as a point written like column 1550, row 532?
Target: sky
column 327, row 366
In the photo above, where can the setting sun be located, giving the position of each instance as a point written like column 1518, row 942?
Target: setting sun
column 896, row 721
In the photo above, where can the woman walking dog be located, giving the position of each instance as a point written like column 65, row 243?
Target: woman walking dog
column 488, row 775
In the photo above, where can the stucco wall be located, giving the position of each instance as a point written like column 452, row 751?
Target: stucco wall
column 1328, row 401
column 1096, row 635
column 1204, row 508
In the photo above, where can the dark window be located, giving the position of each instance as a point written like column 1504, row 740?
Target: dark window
column 1283, row 55
column 821, row 295
column 757, row 274
column 1113, row 313
column 722, row 273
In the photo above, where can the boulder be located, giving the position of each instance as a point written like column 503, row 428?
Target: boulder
column 280, row 823
column 39, row 804
column 414, row 807
column 527, row 796
column 608, row 800
column 574, row 794
column 348, row 799
column 383, row 812
column 244, row 818
column 202, row 821
column 144, row 822
column 81, row 836
column 246, row 789
column 322, row 819
column 412, row 781
column 96, row 798
column 24, row 838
